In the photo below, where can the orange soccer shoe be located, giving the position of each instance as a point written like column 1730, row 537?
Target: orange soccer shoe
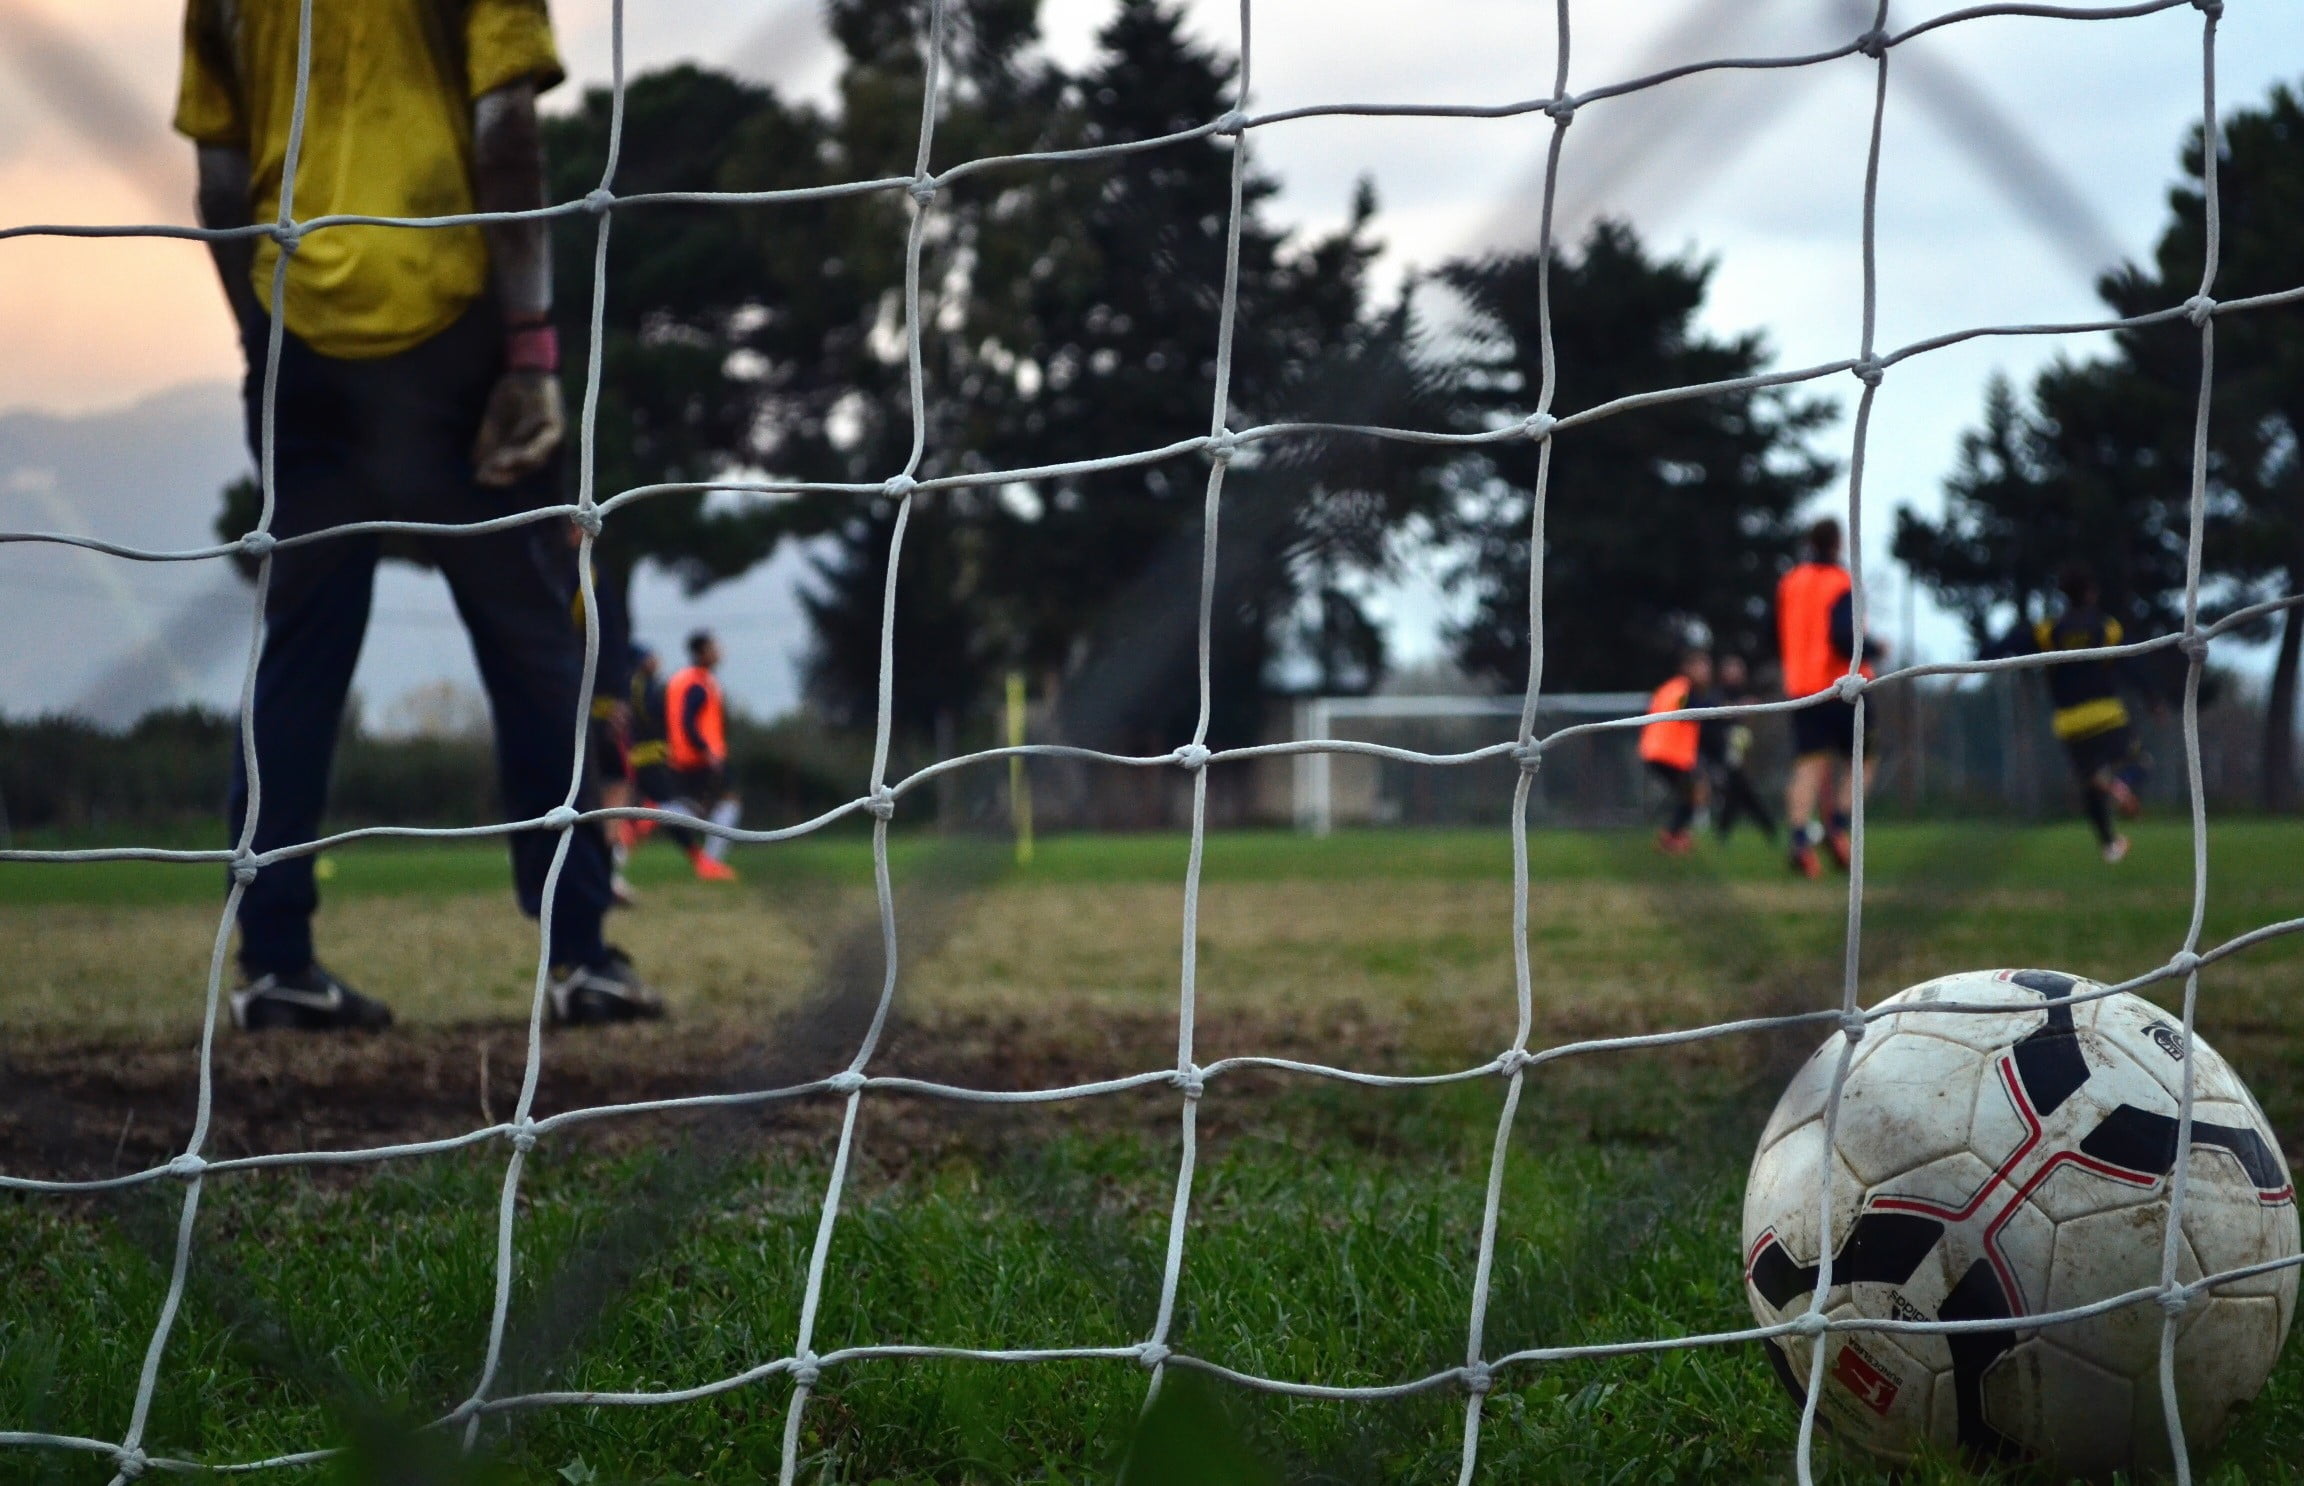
column 711, row 869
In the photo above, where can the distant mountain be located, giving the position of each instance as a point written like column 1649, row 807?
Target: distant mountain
column 110, row 639
column 105, row 636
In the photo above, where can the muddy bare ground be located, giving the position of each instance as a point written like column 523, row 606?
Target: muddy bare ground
column 80, row 1110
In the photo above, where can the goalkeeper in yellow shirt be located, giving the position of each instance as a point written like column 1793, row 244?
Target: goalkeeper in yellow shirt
column 417, row 381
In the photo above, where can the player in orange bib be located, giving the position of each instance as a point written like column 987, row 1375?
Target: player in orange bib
column 1816, row 638
column 696, row 746
column 1670, row 748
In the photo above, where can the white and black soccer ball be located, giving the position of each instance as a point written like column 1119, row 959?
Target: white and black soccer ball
column 1990, row 1167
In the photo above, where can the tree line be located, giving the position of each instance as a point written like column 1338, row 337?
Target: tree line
column 1070, row 312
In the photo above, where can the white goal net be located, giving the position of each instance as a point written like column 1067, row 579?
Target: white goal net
column 1232, row 433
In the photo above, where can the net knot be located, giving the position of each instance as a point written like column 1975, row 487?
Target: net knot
column 1223, row 445
column 1514, row 1060
column 598, row 200
column 922, row 189
column 881, row 805
column 587, row 519
column 2199, row 308
column 2195, row 645
column 522, row 1136
column 1869, row 371
column 1529, row 756
column 187, row 1166
column 258, row 544
column 559, row 818
column 1561, row 110
column 244, row 869
column 2209, row 8
column 1852, row 1025
column 807, row 1371
column 1479, row 1378
column 1191, row 1081
column 896, row 487
column 1192, row 757
column 2176, row 1299
column 1537, row 427
column 1152, row 1354
column 1810, row 1324
column 1232, row 122
column 290, row 237
column 846, row 1081
column 1873, row 44
column 2183, row 962
column 131, row 1463
column 1849, row 687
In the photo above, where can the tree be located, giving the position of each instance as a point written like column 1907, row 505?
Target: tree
column 749, row 339
column 1082, row 323
column 2100, row 466
column 1659, row 523
column 692, row 382
column 2255, row 465
column 2037, row 487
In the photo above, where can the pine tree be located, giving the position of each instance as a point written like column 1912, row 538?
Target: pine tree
column 1087, row 327
column 2104, row 451
column 1660, row 523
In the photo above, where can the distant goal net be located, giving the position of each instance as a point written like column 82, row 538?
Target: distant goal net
column 1380, row 773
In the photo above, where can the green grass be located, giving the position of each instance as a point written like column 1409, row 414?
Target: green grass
column 1349, row 1262
column 1333, row 1233
column 2241, row 853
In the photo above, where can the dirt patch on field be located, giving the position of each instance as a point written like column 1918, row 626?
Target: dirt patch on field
column 98, row 1109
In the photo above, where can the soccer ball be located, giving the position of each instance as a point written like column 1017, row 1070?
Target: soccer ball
column 1991, row 1166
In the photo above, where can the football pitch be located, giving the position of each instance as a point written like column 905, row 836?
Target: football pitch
column 1333, row 1228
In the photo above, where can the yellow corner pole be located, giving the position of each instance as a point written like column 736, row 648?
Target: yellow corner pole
column 1019, row 784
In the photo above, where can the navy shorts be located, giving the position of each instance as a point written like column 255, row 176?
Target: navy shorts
column 1829, row 726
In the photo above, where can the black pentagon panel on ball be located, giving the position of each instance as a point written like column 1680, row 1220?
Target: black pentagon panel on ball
column 1882, row 1248
column 2048, row 1061
column 2144, row 1140
column 1977, row 1297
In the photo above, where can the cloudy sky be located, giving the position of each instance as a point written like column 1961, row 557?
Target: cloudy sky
column 2020, row 156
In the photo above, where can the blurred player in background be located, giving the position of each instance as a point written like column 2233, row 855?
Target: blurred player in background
column 608, row 745
column 417, row 381
column 653, row 781
column 1672, row 749
column 696, row 745
column 1816, row 637
column 1727, row 748
column 2090, row 719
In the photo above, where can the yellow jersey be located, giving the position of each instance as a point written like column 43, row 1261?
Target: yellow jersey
column 387, row 133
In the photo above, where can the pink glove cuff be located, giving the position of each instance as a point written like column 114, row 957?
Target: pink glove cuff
column 532, row 348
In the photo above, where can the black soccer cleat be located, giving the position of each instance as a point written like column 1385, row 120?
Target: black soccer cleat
column 311, row 1000
column 593, row 995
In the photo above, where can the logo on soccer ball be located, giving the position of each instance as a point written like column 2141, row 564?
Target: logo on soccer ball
column 2170, row 1040
column 1861, row 1374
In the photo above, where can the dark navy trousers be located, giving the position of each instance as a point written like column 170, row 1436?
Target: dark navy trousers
column 391, row 439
